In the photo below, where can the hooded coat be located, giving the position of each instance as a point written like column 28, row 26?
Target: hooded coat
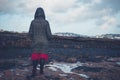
column 40, row 32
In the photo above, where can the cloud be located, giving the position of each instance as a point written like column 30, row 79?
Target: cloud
column 69, row 10
column 59, row 5
column 108, row 22
column 79, row 11
column 19, row 6
column 65, row 12
column 6, row 6
column 118, row 26
column 113, row 4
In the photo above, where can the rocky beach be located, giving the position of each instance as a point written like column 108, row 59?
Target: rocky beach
column 107, row 69
column 70, row 58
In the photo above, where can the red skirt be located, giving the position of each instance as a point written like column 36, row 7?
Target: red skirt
column 38, row 56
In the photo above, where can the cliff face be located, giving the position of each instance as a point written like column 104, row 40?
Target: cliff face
column 18, row 44
column 14, row 40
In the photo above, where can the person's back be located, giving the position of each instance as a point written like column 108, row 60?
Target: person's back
column 39, row 29
column 39, row 33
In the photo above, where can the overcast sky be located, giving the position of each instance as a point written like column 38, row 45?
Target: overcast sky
column 85, row 17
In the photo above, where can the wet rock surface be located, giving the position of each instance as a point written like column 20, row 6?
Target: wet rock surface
column 89, row 69
column 107, row 69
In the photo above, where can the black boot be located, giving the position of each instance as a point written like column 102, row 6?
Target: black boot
column 42, row 62
column 35, row 63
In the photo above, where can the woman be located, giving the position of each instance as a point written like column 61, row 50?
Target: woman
column 40, row 34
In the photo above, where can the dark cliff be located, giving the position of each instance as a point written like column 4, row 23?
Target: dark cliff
column 18, row 44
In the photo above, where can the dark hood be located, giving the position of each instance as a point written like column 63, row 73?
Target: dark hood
column 39, row 13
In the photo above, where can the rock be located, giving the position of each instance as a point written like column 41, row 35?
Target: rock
column 72, row 60
column 104, row 70
column 88, row 69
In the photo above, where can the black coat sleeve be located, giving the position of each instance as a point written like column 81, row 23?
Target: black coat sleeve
column 30, row 34
column 49, row 34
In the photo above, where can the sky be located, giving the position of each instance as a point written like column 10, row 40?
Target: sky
column 85, row 17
